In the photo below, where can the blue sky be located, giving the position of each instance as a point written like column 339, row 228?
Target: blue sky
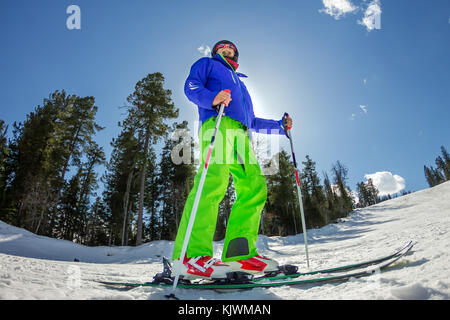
column 377, row 100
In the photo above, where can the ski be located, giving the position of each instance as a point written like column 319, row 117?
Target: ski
column 335, row 269
column 245, row 281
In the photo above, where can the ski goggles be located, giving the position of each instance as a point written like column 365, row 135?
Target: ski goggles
column 225, row 45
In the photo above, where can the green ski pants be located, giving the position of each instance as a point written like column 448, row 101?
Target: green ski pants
column 232, row 154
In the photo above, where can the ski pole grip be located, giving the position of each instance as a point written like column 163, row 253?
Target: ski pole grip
column 223, row 103
column 285, row 126
column 227, row 91
column 286, row 115
column 217, row 107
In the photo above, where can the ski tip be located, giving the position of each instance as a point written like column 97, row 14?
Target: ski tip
column 171, row 296
column 411, row 244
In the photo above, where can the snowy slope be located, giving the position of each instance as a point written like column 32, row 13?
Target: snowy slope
column 35, row 267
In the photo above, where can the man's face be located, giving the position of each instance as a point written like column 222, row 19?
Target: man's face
column 227, row 50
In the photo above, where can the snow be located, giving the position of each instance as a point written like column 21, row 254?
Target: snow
column 36, row 267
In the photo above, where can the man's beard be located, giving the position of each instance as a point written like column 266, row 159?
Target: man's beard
column 227, row 54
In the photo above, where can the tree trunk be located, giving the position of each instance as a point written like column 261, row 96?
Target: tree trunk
column 141, row 190
column 125, row 206
column 66, row 165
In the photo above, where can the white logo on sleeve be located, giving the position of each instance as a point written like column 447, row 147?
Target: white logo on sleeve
column 192, row 86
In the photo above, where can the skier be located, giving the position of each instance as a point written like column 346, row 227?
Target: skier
column 205, row 87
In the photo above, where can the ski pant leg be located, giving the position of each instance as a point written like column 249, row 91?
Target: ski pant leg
column 214, row 189
column 251, row 194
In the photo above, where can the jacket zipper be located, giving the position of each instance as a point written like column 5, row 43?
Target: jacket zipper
column 240, row 88
column 243, row 103
column 232, row 76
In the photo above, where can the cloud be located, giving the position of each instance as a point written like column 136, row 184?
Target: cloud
column 372, row 16
column 337, row 8
column 386, row 182
column 372, row 12
column 365, row 81
column 205, row 50
column 363, row 108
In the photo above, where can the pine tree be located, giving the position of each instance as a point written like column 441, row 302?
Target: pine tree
column 43, row 149
column 121, row 184
column 367, row 193
column 224, row 210
column 6, row 213
column 168, row 215
column 75, row 129
column 313, row 194
column 97, row 224
column 88, row 184
column 152, row 199
column 443, row 163
column 344, row 201
column 176, row 181
column 150, row 106
column 3, row 145
column 330, row 199
column 429, row 176
column 442, row 171
column 373, row 193
column 34, row 167
column 73, row 210
column 282, row 211
column 69, row 218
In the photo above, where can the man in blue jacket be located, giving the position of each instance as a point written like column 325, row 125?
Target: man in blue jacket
column 205, row 86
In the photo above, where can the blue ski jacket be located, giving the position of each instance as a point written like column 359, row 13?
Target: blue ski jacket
column 209, row 76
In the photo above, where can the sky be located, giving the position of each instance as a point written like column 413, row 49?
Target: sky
column 366, row 82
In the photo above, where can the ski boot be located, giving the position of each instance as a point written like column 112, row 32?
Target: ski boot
column 255, row 265
column 203, row 268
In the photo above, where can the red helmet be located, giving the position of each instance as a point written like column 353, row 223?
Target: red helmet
column 217, row 46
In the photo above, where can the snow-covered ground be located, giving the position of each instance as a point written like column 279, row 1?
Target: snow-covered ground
column 35, row 267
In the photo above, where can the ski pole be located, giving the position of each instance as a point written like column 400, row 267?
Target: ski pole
column 196, row 201
column 287, row 130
